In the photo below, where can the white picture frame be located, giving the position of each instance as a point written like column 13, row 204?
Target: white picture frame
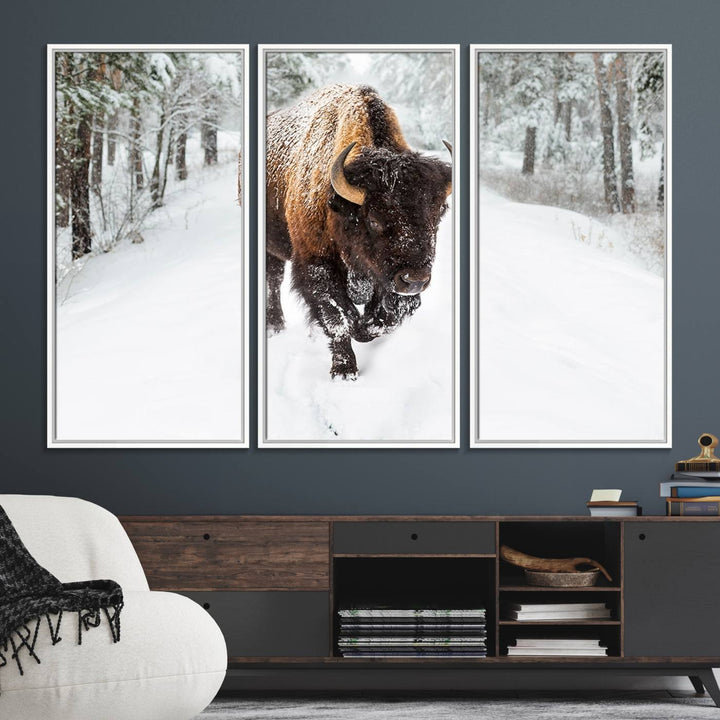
column 265, row 440
column 238, row 437
column 482, row 434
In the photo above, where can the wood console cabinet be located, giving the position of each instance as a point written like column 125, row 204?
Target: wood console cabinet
column 274, row 584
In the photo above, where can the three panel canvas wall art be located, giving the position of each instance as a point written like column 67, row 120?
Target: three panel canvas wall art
column 359, row 255
column 570, row 246
column 147, row 259
column 358, row 331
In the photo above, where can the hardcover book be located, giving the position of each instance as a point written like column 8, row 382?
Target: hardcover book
column 576, row 643
column 709, row 506
column 574, row 652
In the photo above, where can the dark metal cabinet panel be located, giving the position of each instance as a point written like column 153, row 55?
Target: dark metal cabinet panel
column 414, row 538
column 672, row 585
column 270, row 624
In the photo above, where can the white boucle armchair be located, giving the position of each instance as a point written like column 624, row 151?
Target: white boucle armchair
column 170, row 661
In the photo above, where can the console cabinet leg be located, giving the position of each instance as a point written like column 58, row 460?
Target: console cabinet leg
column 697, row 684
column 711, row 685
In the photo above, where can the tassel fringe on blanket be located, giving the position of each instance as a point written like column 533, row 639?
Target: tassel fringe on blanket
column 32, row 597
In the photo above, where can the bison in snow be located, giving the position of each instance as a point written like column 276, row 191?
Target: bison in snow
column 355, row 211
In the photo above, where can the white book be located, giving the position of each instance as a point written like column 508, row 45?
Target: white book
column 620, row 511
column 557, row 643
column 560, row 615
column 559, row 652
column 553, row 607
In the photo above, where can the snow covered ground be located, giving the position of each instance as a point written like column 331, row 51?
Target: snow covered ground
column 150, row 336
column 405, row 390
column 571, row 337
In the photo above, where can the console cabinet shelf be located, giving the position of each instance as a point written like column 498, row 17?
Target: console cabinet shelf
column 274, row 584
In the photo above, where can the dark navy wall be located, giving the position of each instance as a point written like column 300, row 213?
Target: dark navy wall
column 362, row 481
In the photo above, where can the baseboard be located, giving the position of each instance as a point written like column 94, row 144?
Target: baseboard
column 325, row 680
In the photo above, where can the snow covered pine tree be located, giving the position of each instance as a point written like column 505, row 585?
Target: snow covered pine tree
column 355, row 210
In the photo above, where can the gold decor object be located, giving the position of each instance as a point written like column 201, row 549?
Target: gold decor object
column 706, row 461
column 550, row 565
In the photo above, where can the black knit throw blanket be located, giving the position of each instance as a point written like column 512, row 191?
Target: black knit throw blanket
column 30, row 597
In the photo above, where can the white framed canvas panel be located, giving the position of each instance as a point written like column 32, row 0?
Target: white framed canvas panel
column 147, row 268
column 570, row 245
column 358, row 246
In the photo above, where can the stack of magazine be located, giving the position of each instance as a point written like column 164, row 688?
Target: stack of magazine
column 534, row 612
column 417, row 632
column 561, row 647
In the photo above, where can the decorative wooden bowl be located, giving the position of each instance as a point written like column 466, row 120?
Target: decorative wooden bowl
column 581, row 578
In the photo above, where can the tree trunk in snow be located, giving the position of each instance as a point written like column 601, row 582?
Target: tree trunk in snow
column 136, row 164
column 63, row 141
column 627, row 180
column 567, row 112
column 97, row 156
column 528, row 167
column 168, row 160
column 112, row 126
column 606, row 126
column 116, row 79
column 180, row 166
column 98, row 131
column 155, row 179
column 486, row 106
column 209, row 139
column 80, row 188
column 62, row 175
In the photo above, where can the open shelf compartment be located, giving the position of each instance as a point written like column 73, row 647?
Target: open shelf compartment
column 411, row 582
column 608, row 635
column 600, row 541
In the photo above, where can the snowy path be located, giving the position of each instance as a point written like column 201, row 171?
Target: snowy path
column 571, row 338
column 149, row 336
column 405, row 389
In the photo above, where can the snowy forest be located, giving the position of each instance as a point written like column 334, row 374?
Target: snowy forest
column 419, row 86
column 581, row 131
column 126, row 122
column 570, row 275
column 406, row 389
column 147, row 224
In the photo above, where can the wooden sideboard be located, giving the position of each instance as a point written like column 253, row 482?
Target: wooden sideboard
column 274, row 583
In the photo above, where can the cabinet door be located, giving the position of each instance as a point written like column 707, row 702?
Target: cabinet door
column 232, row 554
column 672, row 580
column 270, row 624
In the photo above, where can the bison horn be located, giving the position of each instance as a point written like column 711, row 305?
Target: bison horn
column 339, row 182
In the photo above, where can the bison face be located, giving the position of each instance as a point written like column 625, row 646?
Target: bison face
column 388, row 207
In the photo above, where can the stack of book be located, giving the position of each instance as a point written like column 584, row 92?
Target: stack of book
column 692, row 493
column 532, row 612
column 563, row 647
column 424, row 632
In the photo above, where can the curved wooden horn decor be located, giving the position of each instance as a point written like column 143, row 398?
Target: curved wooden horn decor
column 529, row 562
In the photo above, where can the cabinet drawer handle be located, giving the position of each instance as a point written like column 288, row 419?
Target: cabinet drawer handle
column 641, row 536
column 206, row 536
column 414, row 536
